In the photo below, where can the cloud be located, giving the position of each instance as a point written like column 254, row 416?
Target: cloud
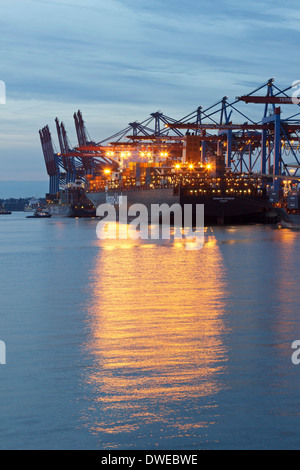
column 119, row 61
column 101, row 49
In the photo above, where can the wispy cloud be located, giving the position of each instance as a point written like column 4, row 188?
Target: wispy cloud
column 120, row 60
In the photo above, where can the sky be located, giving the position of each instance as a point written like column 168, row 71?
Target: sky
column 120, row 60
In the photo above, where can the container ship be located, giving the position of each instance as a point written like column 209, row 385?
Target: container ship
column 287, row 204
column 70, row 201
column 256, row 155
column 228, row 198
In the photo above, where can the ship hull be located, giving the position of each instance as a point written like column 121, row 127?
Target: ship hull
column 217, row 210
column 68, row 210
column 59, row 210
column 147, row 197
column 287, row 220
column 229, row 210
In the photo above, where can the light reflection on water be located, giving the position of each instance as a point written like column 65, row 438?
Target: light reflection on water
column 143, row 346
column 156, row 331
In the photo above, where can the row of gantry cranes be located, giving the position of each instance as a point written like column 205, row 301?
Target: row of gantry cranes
column 267, row 143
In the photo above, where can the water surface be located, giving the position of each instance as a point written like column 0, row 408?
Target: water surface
column 127, row 345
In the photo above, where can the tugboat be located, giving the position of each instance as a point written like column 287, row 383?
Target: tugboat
column 4, row 212
column 39, row 214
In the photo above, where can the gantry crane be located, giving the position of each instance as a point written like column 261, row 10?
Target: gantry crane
column 268, row 145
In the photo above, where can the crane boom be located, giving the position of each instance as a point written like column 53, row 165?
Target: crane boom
column 269, row 99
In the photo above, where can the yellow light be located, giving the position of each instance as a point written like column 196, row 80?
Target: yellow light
column 191, row 167
column 208, row 167
column 177, row 166
column 107, row 171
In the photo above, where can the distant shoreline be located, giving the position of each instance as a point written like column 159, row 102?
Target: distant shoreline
column 18, row 204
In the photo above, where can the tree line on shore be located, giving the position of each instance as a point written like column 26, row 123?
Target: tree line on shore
column 19, row 204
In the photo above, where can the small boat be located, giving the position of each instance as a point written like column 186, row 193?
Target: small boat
column 39, row 214
column 4, row 212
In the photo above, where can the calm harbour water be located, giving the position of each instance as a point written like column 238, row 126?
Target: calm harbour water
column 124, row 345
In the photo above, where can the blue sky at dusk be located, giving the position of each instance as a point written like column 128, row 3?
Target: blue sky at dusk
column 119, row 61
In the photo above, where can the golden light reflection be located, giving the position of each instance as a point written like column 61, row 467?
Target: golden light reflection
column 156, row 333
column 286, row 288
